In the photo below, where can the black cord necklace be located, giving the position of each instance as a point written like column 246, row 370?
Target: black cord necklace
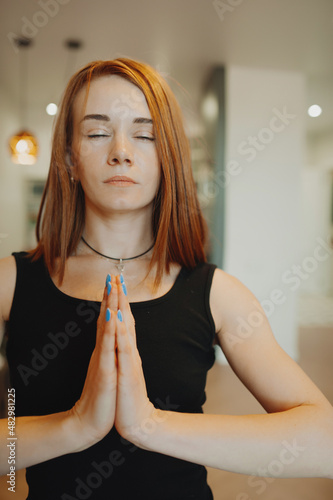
column 120, row 266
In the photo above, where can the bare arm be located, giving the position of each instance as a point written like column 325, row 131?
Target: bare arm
column 41, row 438
column 295, row 438
column 38, row 439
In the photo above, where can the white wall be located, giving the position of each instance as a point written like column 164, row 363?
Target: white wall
column 320, row 150
column 316, row 197
column 263, row 198
column 317, row 184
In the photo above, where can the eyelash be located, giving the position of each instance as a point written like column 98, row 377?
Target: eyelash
column 94, row 136
column 146, row 138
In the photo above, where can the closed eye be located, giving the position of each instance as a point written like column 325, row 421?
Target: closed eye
column 145, row 138
column 93, row 136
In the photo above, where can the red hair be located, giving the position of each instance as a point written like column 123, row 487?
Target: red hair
column 178, row 225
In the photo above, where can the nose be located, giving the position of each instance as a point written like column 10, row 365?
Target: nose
column 120, row 151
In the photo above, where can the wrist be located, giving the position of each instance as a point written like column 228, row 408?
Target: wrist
column 146, row 434
column 76, row 432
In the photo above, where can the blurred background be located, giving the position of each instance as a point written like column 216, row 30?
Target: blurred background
column 245, row 73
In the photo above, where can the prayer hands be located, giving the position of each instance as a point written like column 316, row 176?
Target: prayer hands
column 114, row 392
column 133, row 407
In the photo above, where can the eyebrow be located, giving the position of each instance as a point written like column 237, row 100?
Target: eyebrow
column 102, row 118
column 106, row 118
column 149, row 121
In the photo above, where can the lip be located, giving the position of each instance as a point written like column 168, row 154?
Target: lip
column 121, row 180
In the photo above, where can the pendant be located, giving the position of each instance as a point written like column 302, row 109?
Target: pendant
column 120, row 266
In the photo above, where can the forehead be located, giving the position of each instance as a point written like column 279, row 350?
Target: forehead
column 112, row 95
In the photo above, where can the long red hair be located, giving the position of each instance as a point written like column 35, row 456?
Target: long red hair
column 179, row 228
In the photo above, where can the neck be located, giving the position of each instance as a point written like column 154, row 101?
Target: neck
column 122, row 236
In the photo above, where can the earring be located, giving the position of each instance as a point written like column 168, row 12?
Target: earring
column 72, row 179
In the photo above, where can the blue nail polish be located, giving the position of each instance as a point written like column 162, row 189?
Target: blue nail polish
column 109, row 286
column 124, row 288
column 108, row 315
column 122, row 279
column 108, row 279
column 119, row 315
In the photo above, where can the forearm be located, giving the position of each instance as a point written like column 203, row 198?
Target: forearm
column 40, row 438
column 293, row 443
column 37, row 439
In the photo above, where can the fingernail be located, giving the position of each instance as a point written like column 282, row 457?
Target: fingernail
column 119, row 315
column 109, row 286
column 108, row 279
column 122, row 279
column 108, row 315
column 124, row 288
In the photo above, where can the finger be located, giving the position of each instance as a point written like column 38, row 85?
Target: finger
column 110, row 300
column 107, row 343
column 125, row 308
column 106, row 294
column 102, row 313
column 128, row 358
column 123, row 302
column 122, row 338
column 112, row 294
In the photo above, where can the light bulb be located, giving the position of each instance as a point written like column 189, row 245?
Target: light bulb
column 22, row 146
column 51, row 109
column 314, row 111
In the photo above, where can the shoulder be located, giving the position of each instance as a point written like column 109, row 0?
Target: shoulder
column 232, row 302
column 7, row 285
column 202, row 272
column 252, row 351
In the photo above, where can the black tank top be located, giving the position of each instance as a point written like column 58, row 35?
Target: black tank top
column 51, row 337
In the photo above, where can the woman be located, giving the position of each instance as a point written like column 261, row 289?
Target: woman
column 109, row 395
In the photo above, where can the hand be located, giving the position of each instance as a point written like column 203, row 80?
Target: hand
column 134, row 411
column 95, row 410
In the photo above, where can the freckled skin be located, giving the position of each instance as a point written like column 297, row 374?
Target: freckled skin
column 116, row 146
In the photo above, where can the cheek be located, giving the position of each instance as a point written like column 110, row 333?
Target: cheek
column 86, row 169
column 158, row 179
column 88, row 153
column 153, row 175
column 89, row 161
column 85, row 151
column 155, row 164
column 157, row 168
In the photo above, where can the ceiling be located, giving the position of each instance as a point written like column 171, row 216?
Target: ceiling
column 182, row 38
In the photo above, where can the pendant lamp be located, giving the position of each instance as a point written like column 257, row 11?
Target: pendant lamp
column 23, row 145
